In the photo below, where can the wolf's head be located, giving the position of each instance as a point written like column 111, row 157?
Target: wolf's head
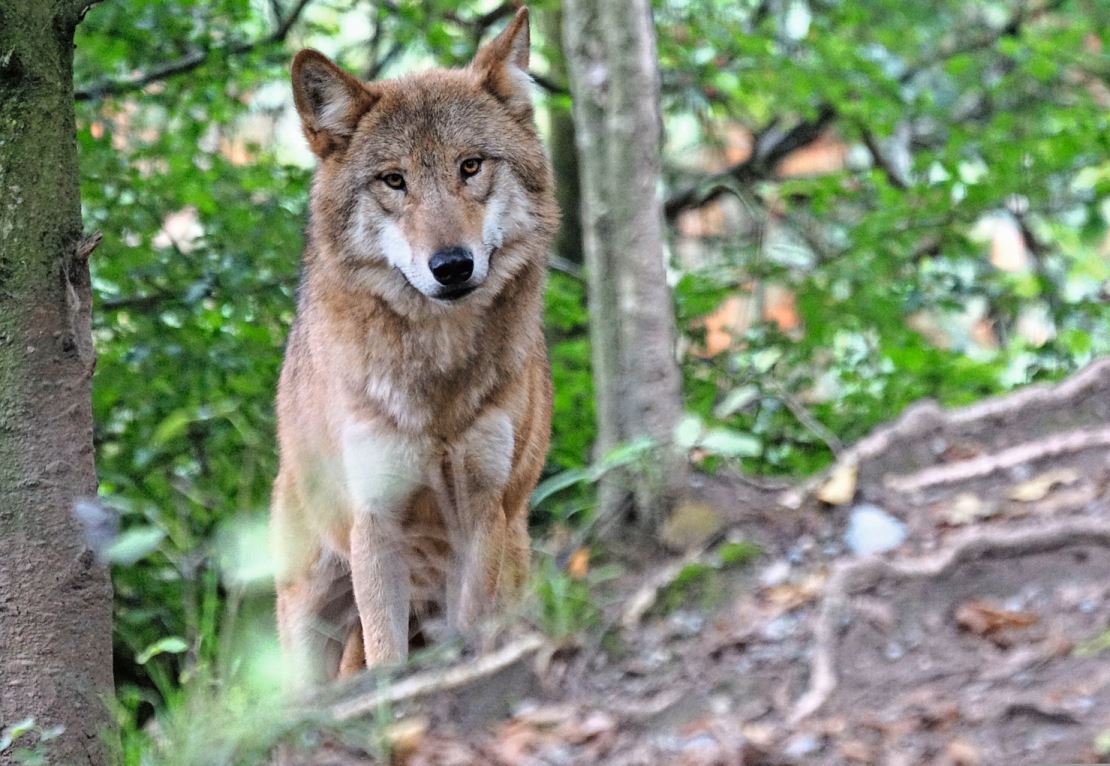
column 432, row 185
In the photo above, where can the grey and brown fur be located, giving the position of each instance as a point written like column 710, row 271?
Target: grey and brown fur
column 412, row 428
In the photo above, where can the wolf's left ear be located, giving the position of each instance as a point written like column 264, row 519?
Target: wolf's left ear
column 502, row 64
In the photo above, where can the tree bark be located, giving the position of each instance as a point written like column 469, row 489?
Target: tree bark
column 55, row 598
column 610, row 46
column 564, row 153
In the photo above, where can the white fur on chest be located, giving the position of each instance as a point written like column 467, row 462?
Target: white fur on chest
column 381, row 468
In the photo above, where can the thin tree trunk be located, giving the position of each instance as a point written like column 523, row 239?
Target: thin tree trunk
column 610, row 46
column 564, row 153
column 55, row 598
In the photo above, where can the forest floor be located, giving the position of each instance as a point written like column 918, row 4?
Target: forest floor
column 941, row 596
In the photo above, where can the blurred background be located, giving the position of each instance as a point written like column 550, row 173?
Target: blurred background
column 866, row 202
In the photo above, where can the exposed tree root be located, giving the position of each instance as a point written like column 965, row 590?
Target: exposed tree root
column 985, row 465
column 855, row 577
column 1053, row 417
column 646, row 596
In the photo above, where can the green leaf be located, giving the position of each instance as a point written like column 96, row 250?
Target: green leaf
column 171, row 427
column 736, row 400
column 14, row 732
column 687, row 432
column 558, row 483
column 729, row 443
column 135, row 544
column 167, row 645
column 624, row 454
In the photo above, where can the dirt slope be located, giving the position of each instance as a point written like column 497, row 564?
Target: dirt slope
column 977, row 634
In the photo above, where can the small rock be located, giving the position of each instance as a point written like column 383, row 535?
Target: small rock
column 701, row 741
column 776, row 574
column 685, row 623
column 779, row 628
column 690, row 525
column 801, row 745
column 873, row 530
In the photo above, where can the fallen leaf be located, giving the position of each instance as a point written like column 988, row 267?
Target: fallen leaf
column 966, row 508
column 856, row 751
column 579, row 564
column 1039, row 486
column 960, row 752
column 596, row 724
column 840, row 486
column 985, row 620
column 788, row 596
column 406, row 736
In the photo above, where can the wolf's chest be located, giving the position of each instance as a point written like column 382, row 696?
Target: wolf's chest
column 383, row 469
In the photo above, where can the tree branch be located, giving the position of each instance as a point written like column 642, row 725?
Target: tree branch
column 880, row 159
column 189, row 61
column 771, row 147
column 549, row 85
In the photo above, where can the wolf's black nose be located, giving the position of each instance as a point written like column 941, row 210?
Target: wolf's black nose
column 452, row 265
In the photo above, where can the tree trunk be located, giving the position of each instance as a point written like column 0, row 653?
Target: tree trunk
column 55, row 598
column 564, row 153
column 610, row 46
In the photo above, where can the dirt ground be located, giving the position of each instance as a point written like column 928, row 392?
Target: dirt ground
column 976, row 632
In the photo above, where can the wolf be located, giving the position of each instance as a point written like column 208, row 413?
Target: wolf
column 414, row 402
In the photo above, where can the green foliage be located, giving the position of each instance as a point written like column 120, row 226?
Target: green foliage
column 955, row 115
column 564, row 605
column 699, row 583
column 569, row 348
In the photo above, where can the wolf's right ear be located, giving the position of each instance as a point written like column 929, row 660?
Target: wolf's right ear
column 329, row 100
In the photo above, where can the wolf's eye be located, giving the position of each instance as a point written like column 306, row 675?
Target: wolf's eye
column 394, row 180
column 470, row 167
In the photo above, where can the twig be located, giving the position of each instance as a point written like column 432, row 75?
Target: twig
column 188, row 62
column 647, row 595
column 375, row 70
column 880, row 160
column 156, row 300
column 549, row 85
column 806, row 418
column 563, row 266
column 87, row 244
column 440, row 680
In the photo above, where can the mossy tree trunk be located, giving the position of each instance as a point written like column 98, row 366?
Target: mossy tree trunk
column 55, row 598
column 614, row 79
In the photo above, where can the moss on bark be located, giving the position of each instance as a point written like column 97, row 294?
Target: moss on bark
column 55, row 599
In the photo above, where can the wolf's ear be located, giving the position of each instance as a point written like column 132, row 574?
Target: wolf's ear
column 502, row 65
column 329, row 100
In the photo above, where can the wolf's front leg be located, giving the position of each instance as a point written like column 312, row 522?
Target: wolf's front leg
column 382, row 471
column 478, row 471
column 380, row 574
column 479, row 559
